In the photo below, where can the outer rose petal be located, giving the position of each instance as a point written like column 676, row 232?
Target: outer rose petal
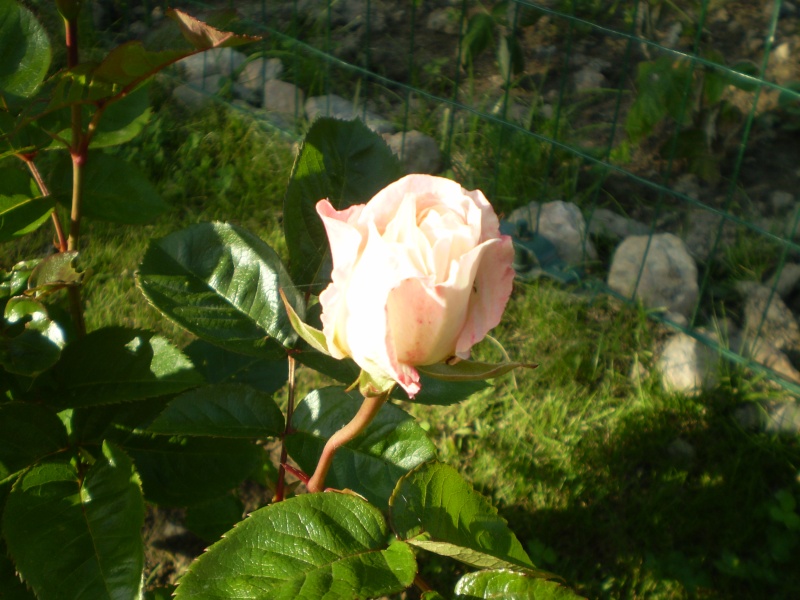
column 493, row 282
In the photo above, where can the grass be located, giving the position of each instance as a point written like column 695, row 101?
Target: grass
column 622, row 489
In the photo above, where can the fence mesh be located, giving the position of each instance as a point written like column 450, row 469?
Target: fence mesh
column 672, row 122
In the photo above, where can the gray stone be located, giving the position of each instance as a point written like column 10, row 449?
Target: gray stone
column 764, row 353
column 339, row 108
column 562, row 224
column 418, row 152
column 701, row 233
column 589, row 76
column 138, row 30
column 217, row 61
column 767, row 318
column 688, row 365
column 681, row 450
column 197, row 94
column 781, row 201
column 781, row 418
column 668, row 273
column 787, row 280
column 443, row 20
column 283, row 98
column 605, row 223
column 257, row 72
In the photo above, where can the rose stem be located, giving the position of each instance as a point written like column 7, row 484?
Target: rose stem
column 279, row 487
column 369, row 408
column 62, row 240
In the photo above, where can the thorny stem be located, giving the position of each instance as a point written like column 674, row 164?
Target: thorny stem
column 280, row 486
column 369, row 408
column 78, row 151
column 28, row 160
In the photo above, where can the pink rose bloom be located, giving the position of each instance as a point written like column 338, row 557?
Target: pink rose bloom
column 420, row 274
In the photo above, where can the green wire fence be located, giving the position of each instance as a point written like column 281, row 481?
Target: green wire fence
column 666, row 113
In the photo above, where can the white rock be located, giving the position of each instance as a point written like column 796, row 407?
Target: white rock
column 418, row 152
column 218, row 61
column 781, row 418
column 339, row 108
column 284, row 98
column 257, row 72
column 605, row 223
column 767, row 318
column 589, row 77
column 668, row 273
column 562, row 224
column 764, row 353
column 688, row 365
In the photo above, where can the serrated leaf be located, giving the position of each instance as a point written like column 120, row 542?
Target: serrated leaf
column 231, row 410
column 218, row 365
column 21, row 209
column 114, row 190
column 503, row 584
column 468, row 370
column 25, row 49
column 221, row 283
column 345, row 162
column 34, row 341
column 28, row 433
column 116, row 364
column 73, row 537
column 370, row 464
column 435, row 509
column 313, row 337
column 210, row 519
column 53, row 273
column 11, row 588
column 319, row 546
column 203, row 36
column 180, row 471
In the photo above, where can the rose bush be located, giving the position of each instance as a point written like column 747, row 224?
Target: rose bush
column 420, row 274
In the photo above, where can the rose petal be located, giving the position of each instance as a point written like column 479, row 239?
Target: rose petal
column 493, row 282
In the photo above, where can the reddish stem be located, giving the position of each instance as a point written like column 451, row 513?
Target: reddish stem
column 28, row 160
column 369, row 408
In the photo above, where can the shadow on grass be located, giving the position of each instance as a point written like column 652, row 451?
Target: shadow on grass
column 649, row 516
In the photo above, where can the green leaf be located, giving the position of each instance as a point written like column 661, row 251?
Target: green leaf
column 218, row 365
column 114, row 190
column 25, row 49
column 35, row 341
column 115, row 364
column 28, row 433
column 438, row 392
column 510, row 57
column 121, row 121
column 18, row 136
column 74, row 537
column 210, row 519
column 504, row 584
column 468, row 370
column 22, row 210
column 11, row 588
column 371, row 464
column 477, row 38
column 714, row 80
column 318, row 546
column 53, row 273
column 221, row 283
column 432, row 595
column 180, row 471
column 231, row 410
column 345, row 162
column 435, row 509
column 15, row 281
